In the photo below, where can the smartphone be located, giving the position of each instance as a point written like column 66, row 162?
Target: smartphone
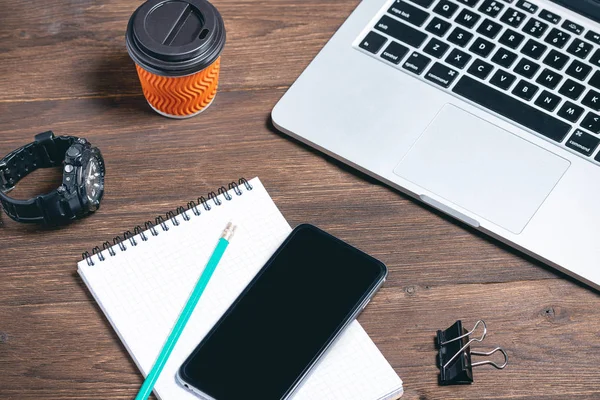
column 285, row 320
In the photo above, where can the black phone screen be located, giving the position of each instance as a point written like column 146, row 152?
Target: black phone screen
column 284, row 320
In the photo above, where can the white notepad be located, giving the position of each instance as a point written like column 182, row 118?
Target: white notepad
column 142, row 285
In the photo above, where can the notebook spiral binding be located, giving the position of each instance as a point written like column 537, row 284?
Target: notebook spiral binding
column 160, row 221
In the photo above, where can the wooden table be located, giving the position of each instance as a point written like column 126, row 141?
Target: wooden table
column 64, row 67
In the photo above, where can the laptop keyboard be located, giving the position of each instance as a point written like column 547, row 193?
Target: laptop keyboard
column 512, row 57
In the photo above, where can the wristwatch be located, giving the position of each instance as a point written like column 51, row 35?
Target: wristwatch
column 82, row 186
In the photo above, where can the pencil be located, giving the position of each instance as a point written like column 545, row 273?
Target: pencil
column 186, row 313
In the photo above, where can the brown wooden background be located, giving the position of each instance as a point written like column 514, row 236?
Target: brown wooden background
column 64, row 67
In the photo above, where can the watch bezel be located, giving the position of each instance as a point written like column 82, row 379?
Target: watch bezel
column 87, row 205
column 5, row 186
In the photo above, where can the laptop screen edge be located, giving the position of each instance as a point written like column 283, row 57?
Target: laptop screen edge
column 587, row 8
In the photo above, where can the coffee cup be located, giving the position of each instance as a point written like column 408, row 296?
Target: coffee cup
column 176, row 46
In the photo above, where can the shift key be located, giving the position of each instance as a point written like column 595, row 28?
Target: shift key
column 400, row 31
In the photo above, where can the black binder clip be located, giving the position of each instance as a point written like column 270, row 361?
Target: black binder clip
column 454, row 357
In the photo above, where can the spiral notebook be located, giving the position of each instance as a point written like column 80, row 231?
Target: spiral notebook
column 143, row 279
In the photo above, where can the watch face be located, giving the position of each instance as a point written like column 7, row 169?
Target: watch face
column 94, row 181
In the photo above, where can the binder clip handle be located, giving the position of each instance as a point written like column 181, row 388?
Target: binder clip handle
column 480, row 322
column 489, row 362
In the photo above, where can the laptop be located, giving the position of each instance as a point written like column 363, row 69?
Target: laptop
column 487, row 110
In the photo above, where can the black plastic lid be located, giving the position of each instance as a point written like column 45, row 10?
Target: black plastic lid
column 175, row 37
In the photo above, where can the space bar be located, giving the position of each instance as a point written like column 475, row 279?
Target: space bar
column 512, row 108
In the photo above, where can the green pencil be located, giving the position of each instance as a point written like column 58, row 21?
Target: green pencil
column 185, row 315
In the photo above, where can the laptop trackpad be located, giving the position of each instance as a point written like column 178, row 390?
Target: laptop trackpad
column 482, row 168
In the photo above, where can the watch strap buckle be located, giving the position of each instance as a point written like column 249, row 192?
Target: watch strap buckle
column 5, row 185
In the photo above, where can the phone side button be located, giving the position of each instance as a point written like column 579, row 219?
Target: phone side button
column 367, row 303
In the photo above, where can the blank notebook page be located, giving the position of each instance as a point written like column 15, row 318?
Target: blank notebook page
column 143, row 288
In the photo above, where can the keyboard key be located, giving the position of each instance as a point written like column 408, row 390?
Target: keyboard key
column 504, row 57
column 502, row 79
column 592, row 100
column 597, row 157
column 470, row 3
column 480, row 69
column 593, row 36
column 572, row 27
column 460, row 37
column 373, row 42
column 482, row 47
column 525, row 90
column 467, row 18
column 535, row 28
column 423, row 3
column 445, row 8
column 548, row 101
column 394, row 53
column 556, row 60
column 534, row 49
column 549, row 16
column 526, row 68
column 580, row 48
column 527, row 6
column 509, row 107
column 557, row 38
column 458, row 58
column 436, row 48
column 491, row 7
column 441, row 75
column 438, row 26
column 571, row 89
column 489, row 28
column 578, row 70
column 583, row 142
column 416, row 63
column 596, row 58
column 595, row 80
column 570, row 112
column 591, row 122
column 511, row 39
column 400, row 31
column 549, row 78
column 408, row 13
column 513, row 17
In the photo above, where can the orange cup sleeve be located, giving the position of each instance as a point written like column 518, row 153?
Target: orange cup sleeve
column 181, row 96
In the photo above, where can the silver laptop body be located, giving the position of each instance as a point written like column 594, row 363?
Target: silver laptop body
column 505, row 137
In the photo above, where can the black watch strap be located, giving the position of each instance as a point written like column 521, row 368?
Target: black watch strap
column 45, row 152
column 38, row 209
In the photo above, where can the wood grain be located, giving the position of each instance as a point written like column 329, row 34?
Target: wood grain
column 65, row 68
